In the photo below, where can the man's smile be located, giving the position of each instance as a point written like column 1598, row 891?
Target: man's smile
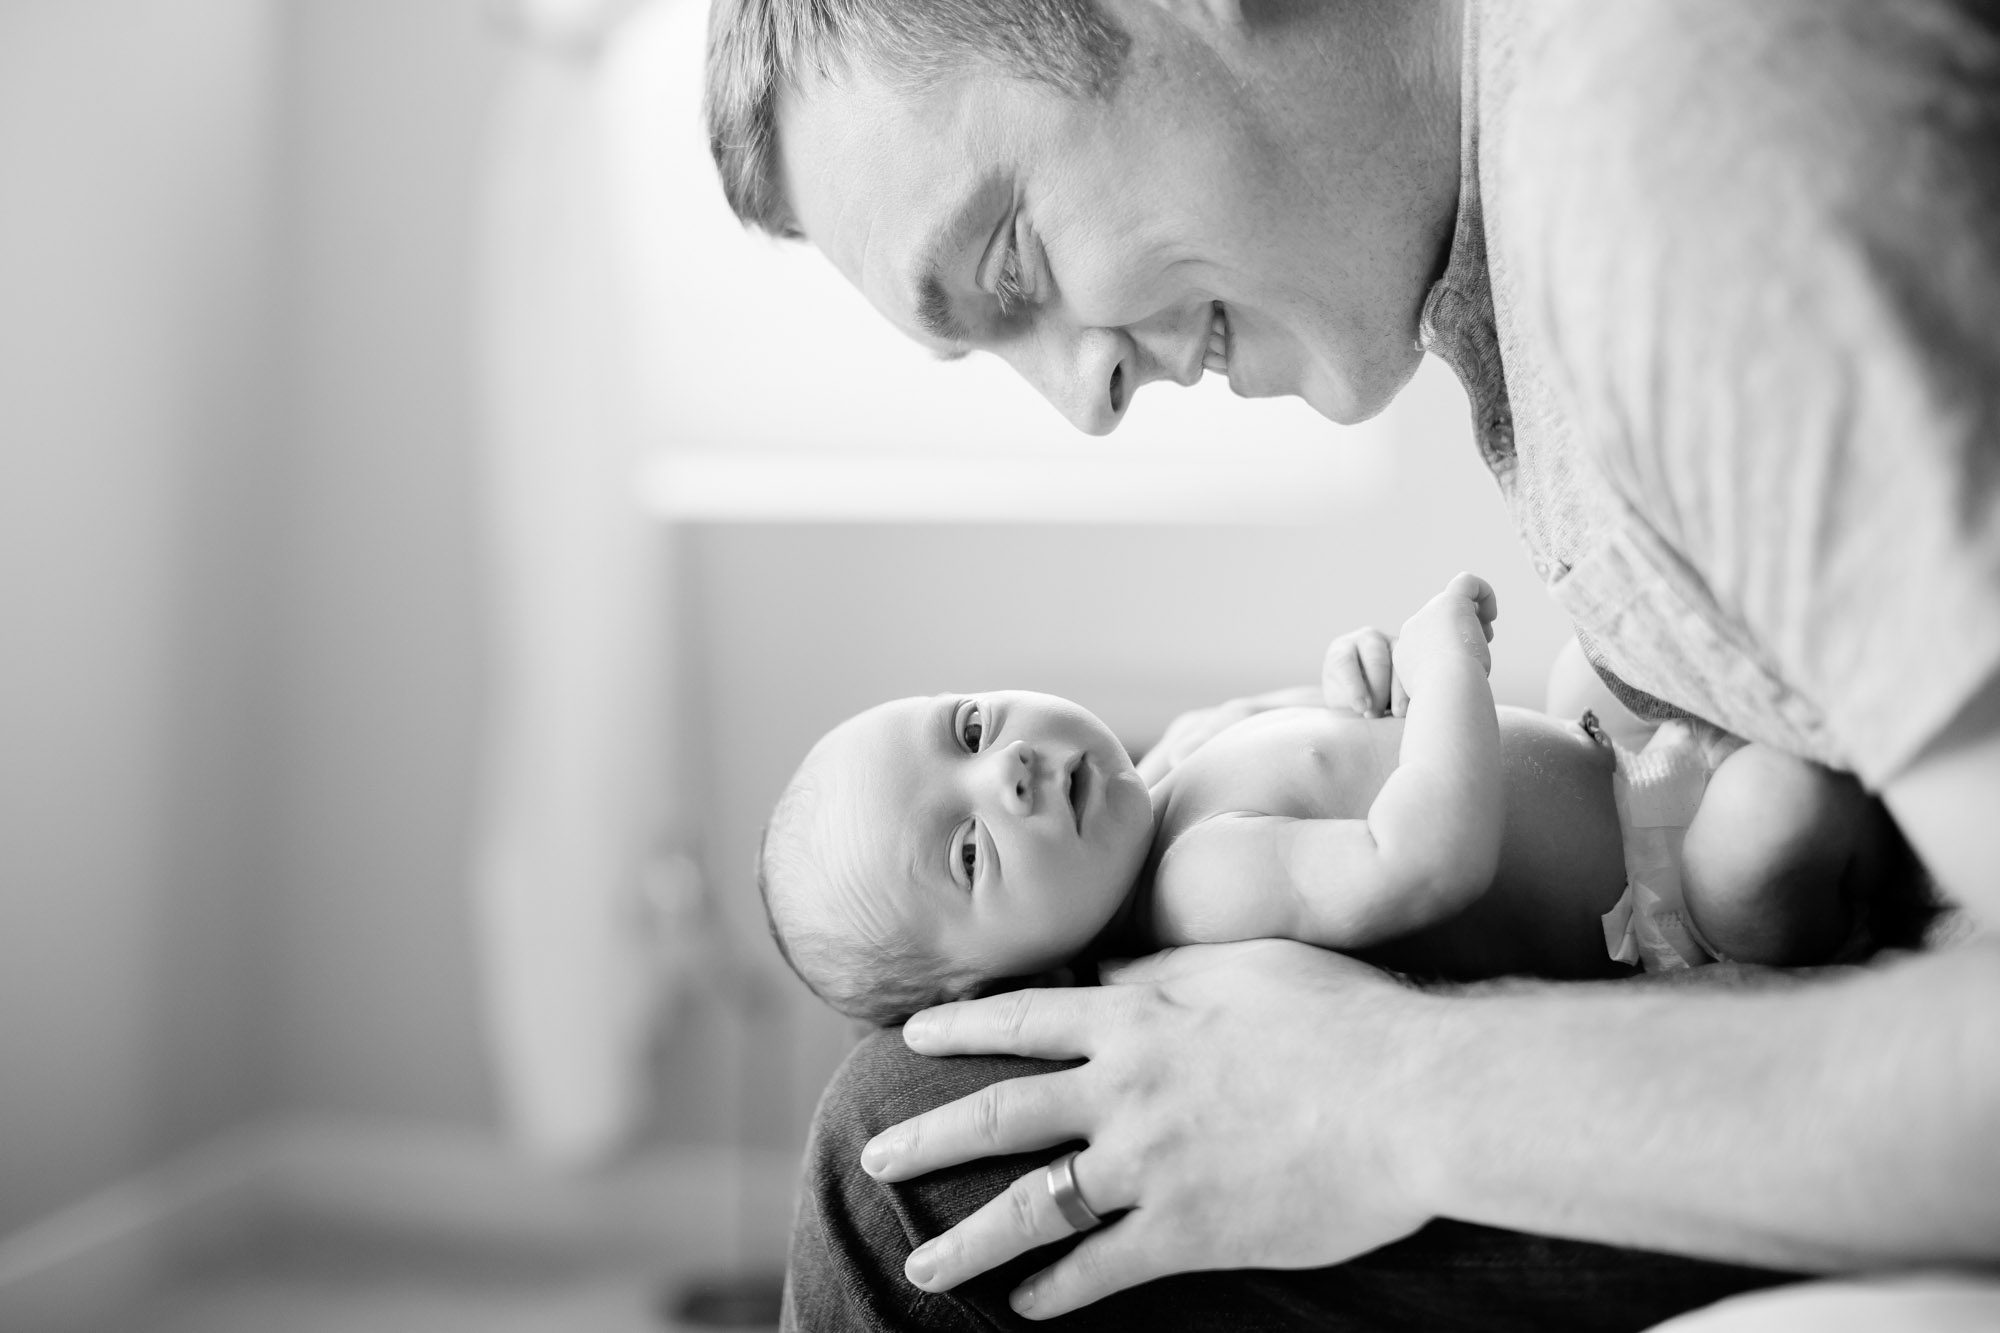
column 1218, row 340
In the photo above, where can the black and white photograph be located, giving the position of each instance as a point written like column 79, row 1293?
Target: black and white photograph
column 956, row 666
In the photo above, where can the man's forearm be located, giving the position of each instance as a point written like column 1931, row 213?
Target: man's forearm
column 1852, row 1121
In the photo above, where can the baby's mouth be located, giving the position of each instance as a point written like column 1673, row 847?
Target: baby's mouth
column 1077, row 790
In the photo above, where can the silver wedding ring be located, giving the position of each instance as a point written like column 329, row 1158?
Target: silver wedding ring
column 1069, row 1199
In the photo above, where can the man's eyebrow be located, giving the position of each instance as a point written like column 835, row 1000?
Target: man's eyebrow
column 936, row 317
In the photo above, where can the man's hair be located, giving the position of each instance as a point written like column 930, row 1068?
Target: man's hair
column 881, row 981
column 757, row 49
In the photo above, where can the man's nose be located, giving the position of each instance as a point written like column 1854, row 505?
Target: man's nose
column 1090, row 376
column 1015, row 772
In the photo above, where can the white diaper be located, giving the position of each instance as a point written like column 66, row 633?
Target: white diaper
column 1658, row 789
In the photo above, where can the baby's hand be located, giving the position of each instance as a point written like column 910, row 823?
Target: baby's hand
column 1358, row 676
column 1455, row 624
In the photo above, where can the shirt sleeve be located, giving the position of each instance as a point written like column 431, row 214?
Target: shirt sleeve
column 1772, row 238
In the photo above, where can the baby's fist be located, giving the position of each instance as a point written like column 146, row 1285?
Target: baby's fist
column 1357, row 675
column 1485, row 602
column 1457, row 623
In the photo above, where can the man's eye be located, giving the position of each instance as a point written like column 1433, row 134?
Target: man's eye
column 1007, row 287
column 971, row 728
column 968, row 856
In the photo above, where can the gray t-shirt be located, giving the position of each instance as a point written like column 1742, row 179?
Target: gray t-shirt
column 1725, row 294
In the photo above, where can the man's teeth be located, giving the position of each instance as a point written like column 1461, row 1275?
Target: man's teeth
column 1218, row 341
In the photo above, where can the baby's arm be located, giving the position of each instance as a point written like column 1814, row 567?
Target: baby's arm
column 1430, row 843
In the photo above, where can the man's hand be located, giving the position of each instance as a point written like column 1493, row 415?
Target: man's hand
column 1192, row 730
column 1358, row 675
column 1240, row 1102
column 1455, row 624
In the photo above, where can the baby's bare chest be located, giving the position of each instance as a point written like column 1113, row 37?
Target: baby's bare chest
column 1305, row 763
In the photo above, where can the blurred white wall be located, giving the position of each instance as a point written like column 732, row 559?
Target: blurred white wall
column 237, row 655
column 136, row 505
column 371, row 935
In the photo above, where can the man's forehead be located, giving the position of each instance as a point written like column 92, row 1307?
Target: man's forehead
column 883, row 183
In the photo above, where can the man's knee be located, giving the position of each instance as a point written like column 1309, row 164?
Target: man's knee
column 852, row 1233
column 883, row 1083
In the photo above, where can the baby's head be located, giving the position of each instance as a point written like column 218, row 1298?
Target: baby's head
column 929, row 846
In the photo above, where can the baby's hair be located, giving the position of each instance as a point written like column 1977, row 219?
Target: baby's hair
column 877, row 981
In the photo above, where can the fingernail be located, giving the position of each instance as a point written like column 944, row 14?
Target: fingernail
column 921, row 1266
column 875, row 1157
column 918, row 1026
column 1024, row 1300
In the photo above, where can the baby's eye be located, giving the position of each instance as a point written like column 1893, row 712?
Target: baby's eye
column 971, row 727
column 968, row 856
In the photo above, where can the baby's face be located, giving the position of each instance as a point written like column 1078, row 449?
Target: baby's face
column 1006, row 826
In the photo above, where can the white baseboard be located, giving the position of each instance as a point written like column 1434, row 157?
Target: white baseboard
column 686, row 1209
column 74, row 1269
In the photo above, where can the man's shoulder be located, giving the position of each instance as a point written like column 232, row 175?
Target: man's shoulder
column 1649, row 48
column 1621, row 140
column 1668, row 85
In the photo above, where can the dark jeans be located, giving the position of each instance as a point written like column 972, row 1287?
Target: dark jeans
column 852, row 1235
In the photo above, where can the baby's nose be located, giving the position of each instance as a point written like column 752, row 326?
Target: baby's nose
column 1017, row 778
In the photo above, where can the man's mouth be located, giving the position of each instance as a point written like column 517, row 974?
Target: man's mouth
column 1218, row 340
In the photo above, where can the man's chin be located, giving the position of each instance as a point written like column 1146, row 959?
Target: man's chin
column 1338, row 403
column 1349, row 400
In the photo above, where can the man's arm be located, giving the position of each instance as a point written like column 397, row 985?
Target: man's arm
column 1272, row 1105
column 1948, row 803
column 1842, row 1123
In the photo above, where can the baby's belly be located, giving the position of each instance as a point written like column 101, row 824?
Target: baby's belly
column 1562, row 866
column 1562, row 862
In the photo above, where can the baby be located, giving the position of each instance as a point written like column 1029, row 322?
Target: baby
column 937, row 848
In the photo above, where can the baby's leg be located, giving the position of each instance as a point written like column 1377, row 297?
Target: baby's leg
column 1775, row 855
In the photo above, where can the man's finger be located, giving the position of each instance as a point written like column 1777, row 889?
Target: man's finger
column 1121, row 1255
column 1013, row 1115
column 1049, row 1024
column 1022, row 1217
column 1167, row 964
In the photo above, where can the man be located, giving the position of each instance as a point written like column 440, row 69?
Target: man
column 1718, row 280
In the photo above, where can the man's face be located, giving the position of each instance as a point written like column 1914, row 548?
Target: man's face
column 1234, row 207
